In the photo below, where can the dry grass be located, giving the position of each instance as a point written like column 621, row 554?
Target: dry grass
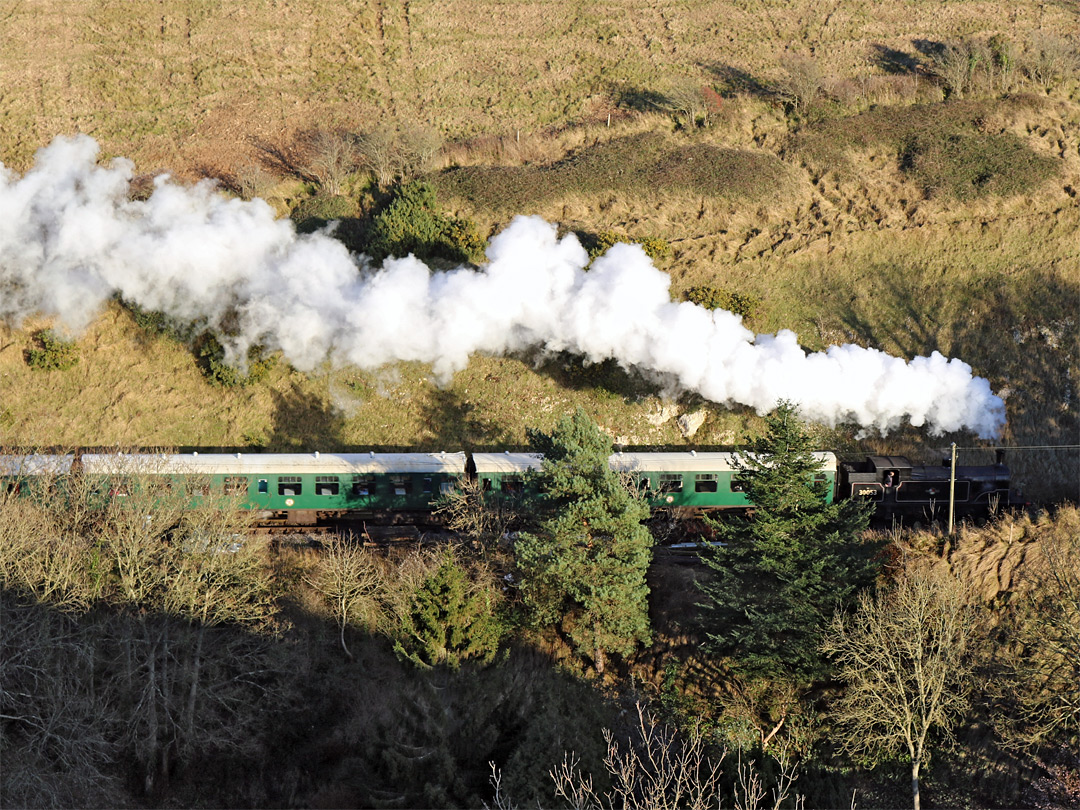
column 187, row 85
column 550, row 101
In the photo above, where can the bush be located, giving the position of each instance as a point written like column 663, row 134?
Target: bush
column 158, row 323
column 966, row 166
column 211, row 360
column 53, row 352
column 942, row 147
column 412, row 223
column 655, row 247
column 645, row 165
column 716, row 298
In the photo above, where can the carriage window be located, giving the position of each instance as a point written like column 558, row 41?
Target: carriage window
column 326, row 485
column 401, row 485
column 427, row 485
column 196, row 486
column 289, row 485
column 362, row 485
column 705, row 482
column 485, row 484
column 513, row 486
column 737, row 484
column 670, row 482
column 644, row 485
column 264, row 486
column 235, row 485
column 446, row 487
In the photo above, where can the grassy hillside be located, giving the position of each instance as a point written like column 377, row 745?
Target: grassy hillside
column 879, row 214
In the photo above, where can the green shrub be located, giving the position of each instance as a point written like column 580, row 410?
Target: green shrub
column 158, row 323
column 643, row 165
column 412, row 223
column 969, row 165
column 211, row 359
column 53, row 352
column 655, row 247
column 942, row 147
column 716, row 298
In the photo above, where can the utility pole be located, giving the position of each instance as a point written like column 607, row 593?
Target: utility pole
column 952, row 487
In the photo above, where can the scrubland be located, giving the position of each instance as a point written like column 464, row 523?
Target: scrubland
column 886, row 207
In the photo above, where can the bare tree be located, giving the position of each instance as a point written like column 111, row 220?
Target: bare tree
column 349, row 579
column 57, row 731
column 801, row 82
column 955, row 66
column 395, row 151
column 685, row 99
column 331, row 159
column 252, row 181
column 481, row 516
column 1050, row 58
column 904, row 657
column 657, row 770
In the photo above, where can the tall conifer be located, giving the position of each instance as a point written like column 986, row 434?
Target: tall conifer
column 584, row 567
column 779, row 573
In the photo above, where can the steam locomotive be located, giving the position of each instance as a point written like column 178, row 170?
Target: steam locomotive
column 306, row 489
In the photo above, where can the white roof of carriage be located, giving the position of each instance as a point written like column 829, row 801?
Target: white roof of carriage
column 691, row 462
column 274, row 463
column 36, row 464
column 507, row 462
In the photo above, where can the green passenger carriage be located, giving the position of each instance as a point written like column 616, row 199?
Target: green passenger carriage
column 296, row 488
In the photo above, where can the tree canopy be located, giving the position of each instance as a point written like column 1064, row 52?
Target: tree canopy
column 583, row 568
column 779, row 573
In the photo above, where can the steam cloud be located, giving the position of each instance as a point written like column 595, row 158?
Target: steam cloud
column 70, row 239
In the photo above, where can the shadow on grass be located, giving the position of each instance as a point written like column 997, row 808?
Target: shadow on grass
column 451, row 423
column 303, row 421
column 734, row 80
column 892, row 61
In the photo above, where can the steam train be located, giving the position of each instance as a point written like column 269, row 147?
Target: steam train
column 306, row 489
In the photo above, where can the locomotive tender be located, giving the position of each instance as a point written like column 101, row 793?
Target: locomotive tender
column 306, row 488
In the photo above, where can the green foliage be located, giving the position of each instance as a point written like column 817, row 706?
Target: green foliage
column 655, row 247
column 159, row 323
column 970, row 165
column 711, row 297
column 451, row 619
column 645, row 165
column 412, row 223
column 211, row 357
column 584, row 567
column 945, row 148
column 779, row 574
column 53, row 352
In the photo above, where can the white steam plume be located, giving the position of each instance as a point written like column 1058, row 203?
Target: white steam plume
column 70, row 238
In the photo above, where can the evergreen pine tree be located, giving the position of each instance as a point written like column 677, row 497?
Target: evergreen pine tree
column 584, row 567
column 451, row 620
column 779, row 573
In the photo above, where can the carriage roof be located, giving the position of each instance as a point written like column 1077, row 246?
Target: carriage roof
column 275, row 463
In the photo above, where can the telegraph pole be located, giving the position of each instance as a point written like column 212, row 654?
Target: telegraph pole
column 952, row 487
